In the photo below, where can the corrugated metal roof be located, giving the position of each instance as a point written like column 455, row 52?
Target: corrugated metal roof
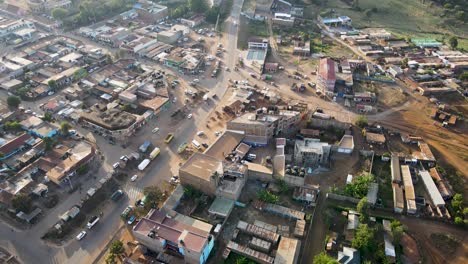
column 432, row 189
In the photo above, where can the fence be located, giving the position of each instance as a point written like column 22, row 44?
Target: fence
column 339, row 197
column 359, row 77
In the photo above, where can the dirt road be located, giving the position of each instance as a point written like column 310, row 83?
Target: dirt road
column 422, row 229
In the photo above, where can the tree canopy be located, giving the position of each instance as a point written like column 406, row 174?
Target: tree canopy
column 363, row 210
column 116, row 247
column 453, row 42
column 13, row 101
column 358, row 188
column 361, row 121
column 323, row 258
column 65, row 127
column 59, row 13
column 153, row 196
column 22, row 202
column 364, row 238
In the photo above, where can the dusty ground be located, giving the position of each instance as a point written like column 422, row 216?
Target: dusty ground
column 410, row 249
column 422, row 230
column 450, row 146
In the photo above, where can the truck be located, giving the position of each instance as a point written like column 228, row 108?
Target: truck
column 154, row 153
column 144, row 147
column 92, row 222
column 169, row 138
column 182, row 147
column 144, row 164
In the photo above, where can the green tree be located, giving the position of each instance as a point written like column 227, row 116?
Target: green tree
column 48, row 117
column 267, row 197
column 358, row 188
column 22, row 202
column 363, row 210
column 459, row 221
column 12, row 125
column 453, row 42
column 48, row 143
column 110, row 259
column 404, row 63
column 65, row 127
column 197, row 6
column 364, row 238
column 52, row 84
column 323, row 258
column 59, row 13
column 22, row 91
column 463, row 77
column 361, row 121
column 116, row 247
column 457, row 202
column 153, row 196
column 397, row 231
column 1, row 155
column 13, row 101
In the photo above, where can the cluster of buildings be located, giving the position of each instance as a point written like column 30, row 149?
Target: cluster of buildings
column 17, row 30
column 285, row 13
column 30, row 165
column 84, row 71
column 425, row 64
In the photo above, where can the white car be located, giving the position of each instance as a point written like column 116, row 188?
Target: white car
column 134, row 178
column 200, row 133
column 115, row 165
column 155, row 130
column 174, row 99
column 28, row 111
column 81, row 235
column 189, row 116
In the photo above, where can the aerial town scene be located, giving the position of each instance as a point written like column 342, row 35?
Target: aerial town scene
column 233, row 131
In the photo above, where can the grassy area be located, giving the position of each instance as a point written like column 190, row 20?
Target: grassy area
column 404, row 18
column 257, row 28
column 382, row 173
column 249, row 5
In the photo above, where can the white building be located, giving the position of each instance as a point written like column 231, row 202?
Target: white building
column 311, row 152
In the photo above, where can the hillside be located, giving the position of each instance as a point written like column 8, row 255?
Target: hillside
column 402, row 17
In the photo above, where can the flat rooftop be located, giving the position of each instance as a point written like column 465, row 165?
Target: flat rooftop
column 226, row 143
column 202, row 165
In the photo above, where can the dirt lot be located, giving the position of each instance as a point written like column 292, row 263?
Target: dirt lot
column 431, row 252
column 450, row 146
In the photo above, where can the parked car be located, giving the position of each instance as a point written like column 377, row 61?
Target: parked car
column 116, row 195
column 81, row 235
column 134, row 178
column 205, row 145
column 189, row 116
column 131, row 220
column 155, row 130
column 126, row 212
column 115, row 165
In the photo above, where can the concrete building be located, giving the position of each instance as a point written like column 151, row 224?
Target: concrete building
column 44, row 6
column 288, row 251
column 162, row 234
column 326, row 75
column 173, row 34
column 202, row 172
column 151, row 12
column 310, row 152
column 79, row 155
column 259, row 128
column 112, row 122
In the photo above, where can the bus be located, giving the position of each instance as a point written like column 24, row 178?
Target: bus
column 154, row 153
column 196, row 144
column 144, row 164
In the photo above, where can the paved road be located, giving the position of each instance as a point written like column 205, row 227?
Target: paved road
column 28, row 245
